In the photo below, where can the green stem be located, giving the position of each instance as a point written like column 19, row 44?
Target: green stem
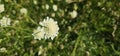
column 29, row 18
column 74, row 50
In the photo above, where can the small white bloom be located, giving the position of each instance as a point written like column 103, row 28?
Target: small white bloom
column 47, row 6
column 53, row 14
column 38, row 33
column 2, row 8
column 50, row 27
column 73, row 14
column 35, row 2
column 55, row 7
column 5, row 21
column 40, row 50
column 23, row 11
column 68, row 1
column 3, row 49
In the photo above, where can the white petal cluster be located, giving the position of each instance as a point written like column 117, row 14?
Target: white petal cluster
column 3, row 49
column 35, row 2
column 40, row 50
column 73, row 14
column 2, row 8
column 47, row 6
column 23, row 11
column 38, row 33
column 55, row 7
column 68, row 1
column 49, row 29
column 5, row 21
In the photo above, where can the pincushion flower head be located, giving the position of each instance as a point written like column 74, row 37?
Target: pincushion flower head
column 50, row 28
column 38, row 33
column 1, row 8
column 5, row 21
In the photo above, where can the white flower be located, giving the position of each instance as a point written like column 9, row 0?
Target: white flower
column 47, row 6
column 73, row 14
column 53, row 14
column 5, row 21
column 55, row 7
column 3, row 49
column 2, row 8
column 40, row 50
column 68, row 1
column 35, row 2
column 38, row 33
column 23, row 11
column 50, row 28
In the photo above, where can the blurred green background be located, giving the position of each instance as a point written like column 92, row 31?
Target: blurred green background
column 94, row 31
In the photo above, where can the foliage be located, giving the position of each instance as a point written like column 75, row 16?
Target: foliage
column 94, row 32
